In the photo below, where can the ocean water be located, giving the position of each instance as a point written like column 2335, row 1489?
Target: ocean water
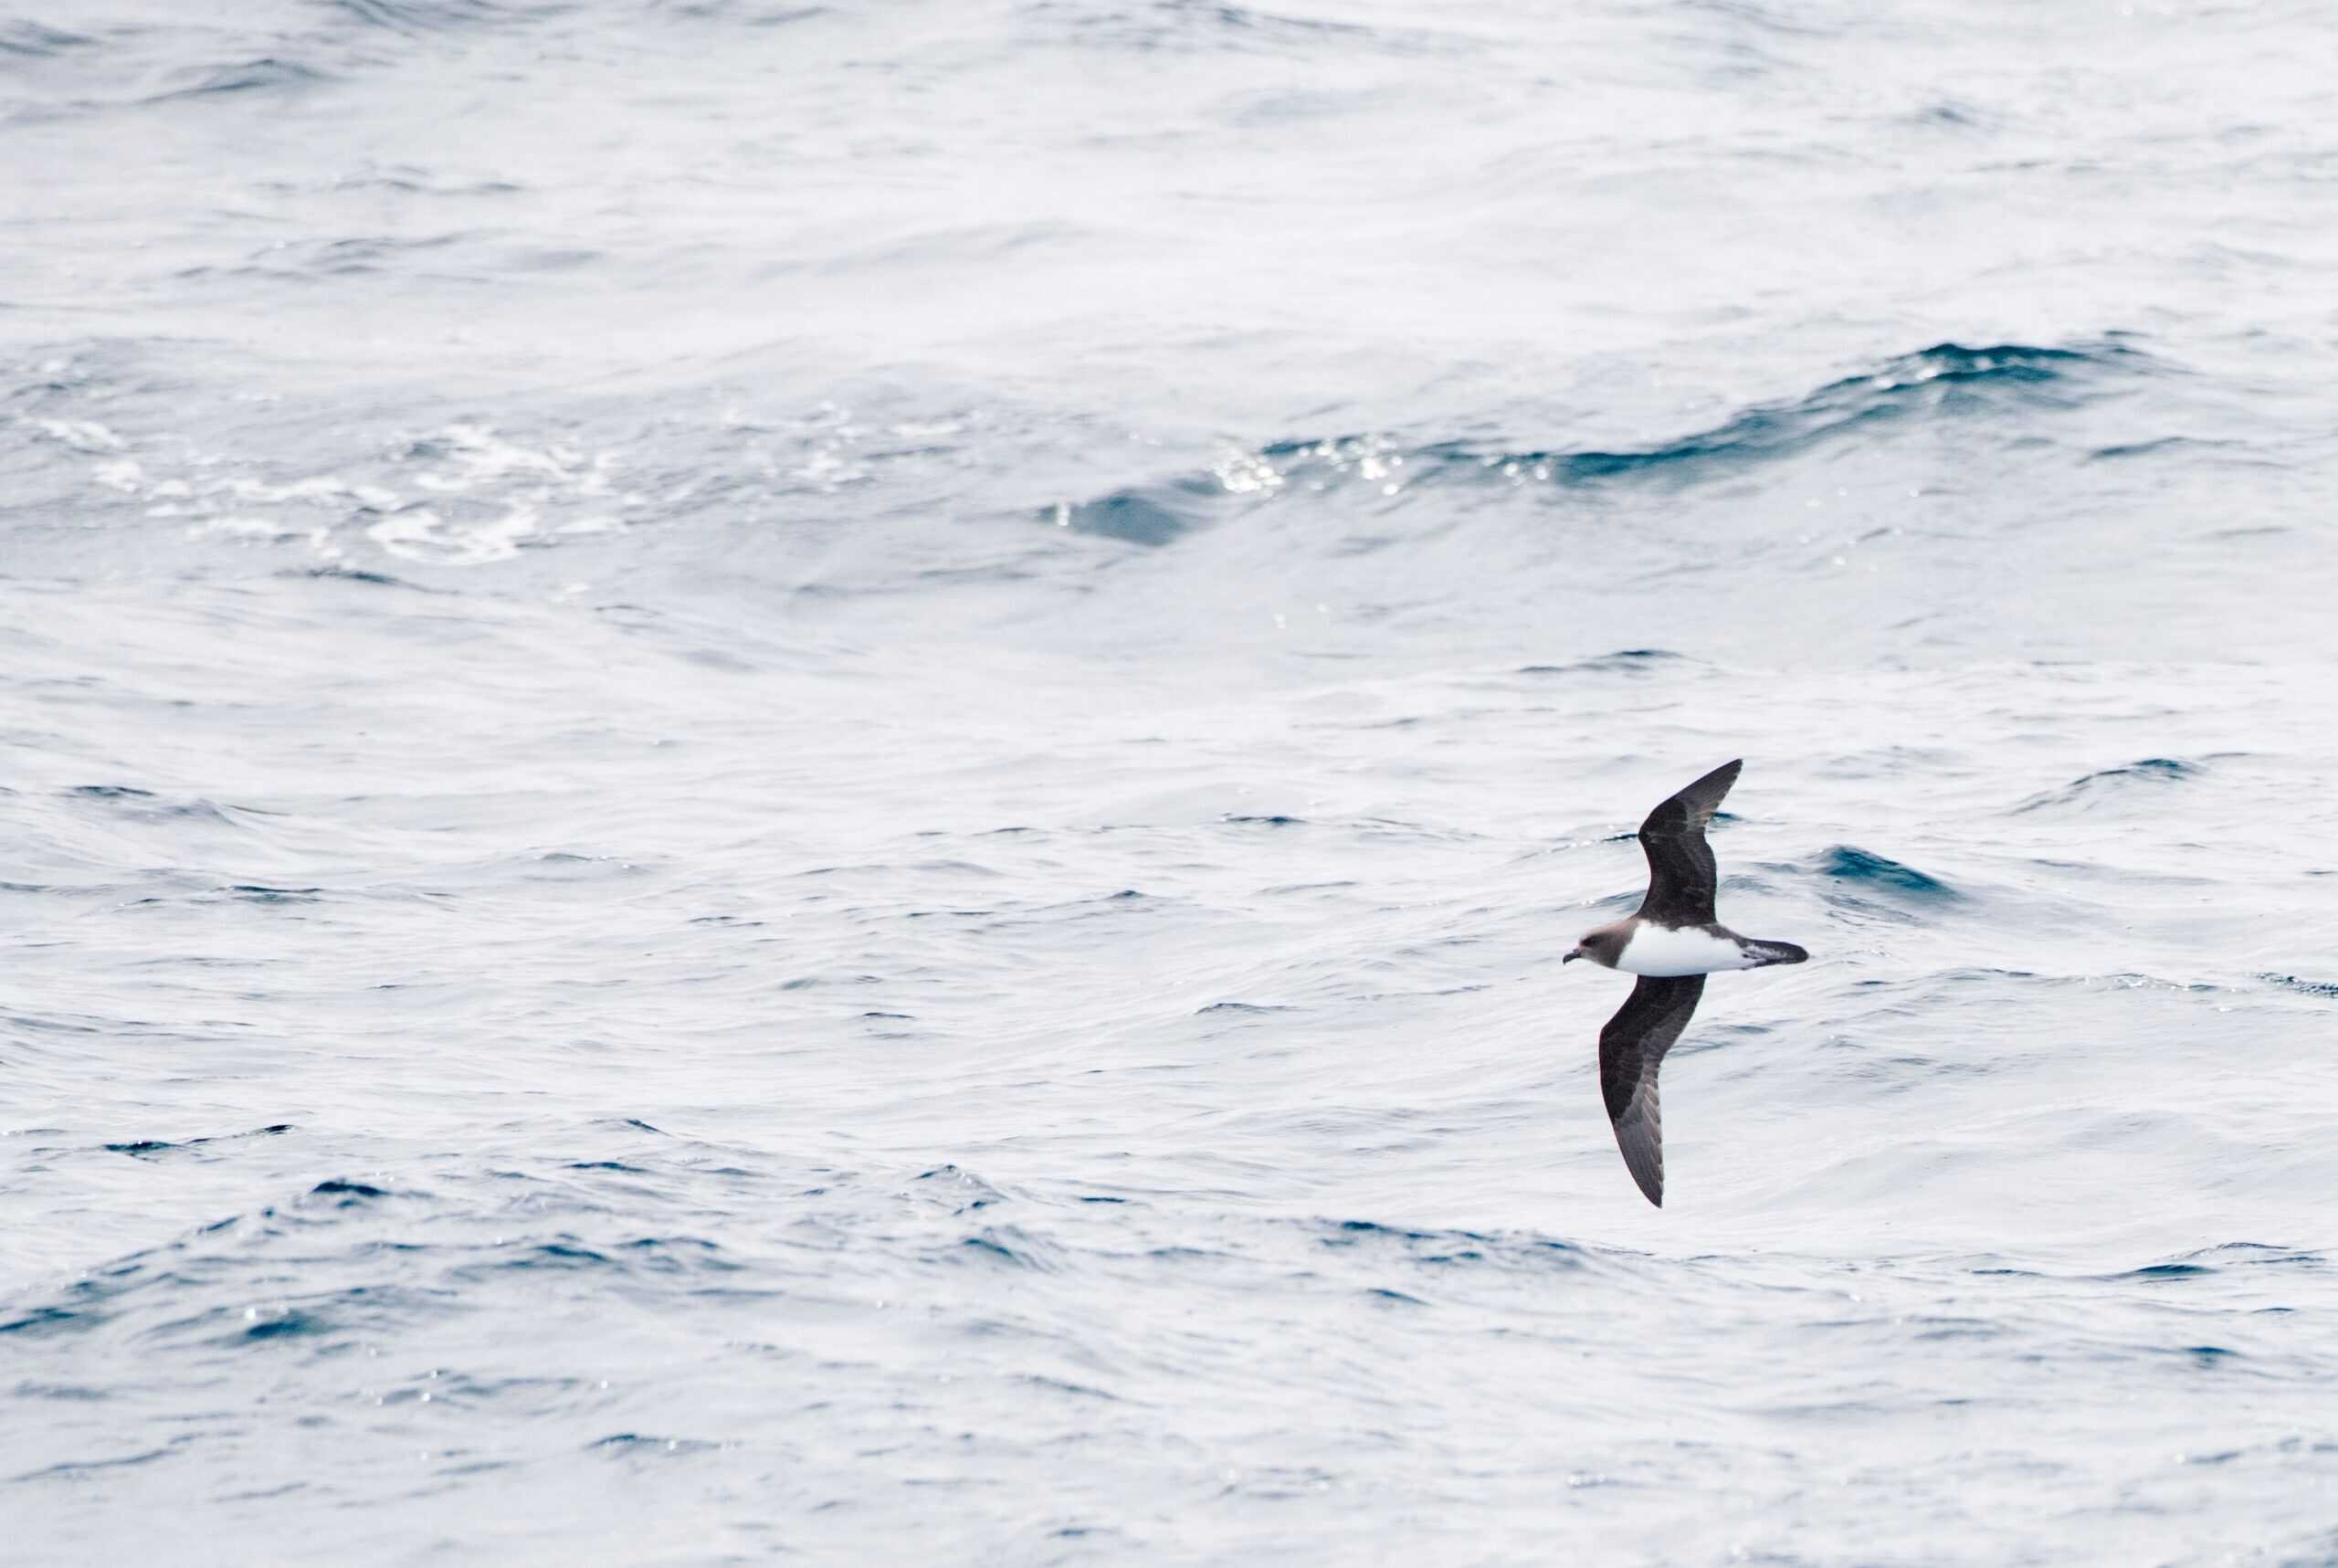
column 802, row 782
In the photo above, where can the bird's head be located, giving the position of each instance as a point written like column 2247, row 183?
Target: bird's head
column 1602, row 946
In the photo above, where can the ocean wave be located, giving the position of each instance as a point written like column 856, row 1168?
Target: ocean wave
column 2105, row 782
column 1868, row 871
column 1216, row 25
column 1946, row 381
column 148, row 1148
column 34, row 39
column 419, row 16
column 1639, row 661
column 1442, row 1249
column 266, row 73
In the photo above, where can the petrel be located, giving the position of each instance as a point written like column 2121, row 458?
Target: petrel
column 1671, row 944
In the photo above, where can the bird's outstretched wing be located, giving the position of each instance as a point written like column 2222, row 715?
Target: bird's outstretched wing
column 1681, row 874
column 1631, row 1047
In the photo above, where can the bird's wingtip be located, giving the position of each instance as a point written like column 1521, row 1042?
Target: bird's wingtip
column 1724, row 776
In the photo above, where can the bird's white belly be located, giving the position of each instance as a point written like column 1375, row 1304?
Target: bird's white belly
column 1667, row 953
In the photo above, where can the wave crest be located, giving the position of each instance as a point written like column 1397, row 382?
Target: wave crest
column 1945, row 380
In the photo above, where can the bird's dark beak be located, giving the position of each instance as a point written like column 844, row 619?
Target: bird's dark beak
column 1572, row 954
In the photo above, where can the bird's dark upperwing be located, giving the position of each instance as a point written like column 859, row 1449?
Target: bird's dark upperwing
column 1631, row 1047
column 1680, row 874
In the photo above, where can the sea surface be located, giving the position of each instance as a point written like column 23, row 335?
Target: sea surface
column 801, row 783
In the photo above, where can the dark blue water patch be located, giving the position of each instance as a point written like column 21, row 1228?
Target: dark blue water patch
column 2258, row 1252
column 76, row 1024
column 1150, row 515
column 267, row 74
column 68, row 1468
column 419, row 16
column 2220, row 1456
column 656, row 1246
column 1059, row 1386
column 1457, row 1249
column 32, row 39
column 1273, row 821
column 1128, row 903
column 1350, row 1229
column 2160, row 1273
column 987, row 1246
column 288, row 1324
column 2149, row 771
column 1382, row 1293
column 2180, row 446
column 1623, row 661
column 68, row 1393
column 452, row 1386
column 145, row 806
column 2301, row 984
column 1453, row 1256
column 563, row 1254
column 606, row 1166
column 1949, row 116
column 694, row 1255
column 1865, row 869
column 149, row 1148
column 42, row 1321
column 1947, row 380
column 259, row 893
column 352, row 1195
column 354, row 575
column 2150, row 767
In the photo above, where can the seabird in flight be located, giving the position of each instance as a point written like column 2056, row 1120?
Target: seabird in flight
column 1671, row 944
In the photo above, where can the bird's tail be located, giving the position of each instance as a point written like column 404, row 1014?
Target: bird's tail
column 1770, row 953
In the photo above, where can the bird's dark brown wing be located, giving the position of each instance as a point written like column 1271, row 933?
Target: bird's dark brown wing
column 1680, row 874
column 1631, row 1047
